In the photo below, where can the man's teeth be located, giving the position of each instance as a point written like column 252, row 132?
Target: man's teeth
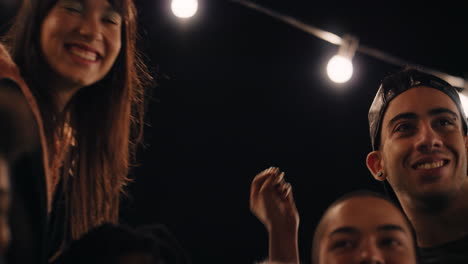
column 84, row 54
column 431, row 165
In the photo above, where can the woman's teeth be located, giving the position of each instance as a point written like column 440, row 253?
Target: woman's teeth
column 84, row 54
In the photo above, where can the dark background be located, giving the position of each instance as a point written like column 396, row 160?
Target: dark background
column 239, row 91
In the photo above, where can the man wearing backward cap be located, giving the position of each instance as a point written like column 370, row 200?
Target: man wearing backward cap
column 418, row 132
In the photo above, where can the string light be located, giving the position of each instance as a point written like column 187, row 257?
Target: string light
column 340, row 66
column 340, row 69
column 337, row 40
column 184, row 8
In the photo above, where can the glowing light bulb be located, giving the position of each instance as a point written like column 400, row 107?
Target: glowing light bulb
column 340, row 69
column 184, row 8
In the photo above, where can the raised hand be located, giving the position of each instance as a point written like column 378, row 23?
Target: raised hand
column 272, row 202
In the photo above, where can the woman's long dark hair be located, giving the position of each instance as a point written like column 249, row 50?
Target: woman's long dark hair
column 92, row 145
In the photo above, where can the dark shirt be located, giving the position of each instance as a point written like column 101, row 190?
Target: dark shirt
column 28, row 214
column 58, row 226
column 454, row 252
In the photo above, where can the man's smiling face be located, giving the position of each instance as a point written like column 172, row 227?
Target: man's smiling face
column 423, row 151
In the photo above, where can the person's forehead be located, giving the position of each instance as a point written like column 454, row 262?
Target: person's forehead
column 364, row 214
column 419, row 99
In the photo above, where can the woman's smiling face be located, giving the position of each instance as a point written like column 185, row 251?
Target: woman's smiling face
column 81, row 40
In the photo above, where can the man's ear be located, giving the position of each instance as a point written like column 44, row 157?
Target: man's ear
column 375, row 165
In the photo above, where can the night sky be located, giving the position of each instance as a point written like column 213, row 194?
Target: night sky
column 239, row 91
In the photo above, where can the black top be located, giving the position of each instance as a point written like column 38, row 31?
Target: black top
column 58, row 226
column 28, row 213
column 454, row 252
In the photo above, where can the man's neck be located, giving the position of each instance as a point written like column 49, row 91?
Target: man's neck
column 437, row 227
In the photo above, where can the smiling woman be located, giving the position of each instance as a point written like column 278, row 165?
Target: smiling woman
column 80, row 44
column 84, row 76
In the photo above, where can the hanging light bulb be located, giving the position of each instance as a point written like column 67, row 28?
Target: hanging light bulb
column 340, row 69
column 184, row 8
column 340, row 66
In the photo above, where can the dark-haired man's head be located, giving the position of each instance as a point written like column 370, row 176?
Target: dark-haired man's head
column 363, row 227
column 418, row 133
column 112, row 244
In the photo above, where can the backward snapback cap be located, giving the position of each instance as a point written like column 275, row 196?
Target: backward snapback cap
column 397, row 83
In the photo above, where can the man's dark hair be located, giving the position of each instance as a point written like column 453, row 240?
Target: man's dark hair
column 107, row 243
